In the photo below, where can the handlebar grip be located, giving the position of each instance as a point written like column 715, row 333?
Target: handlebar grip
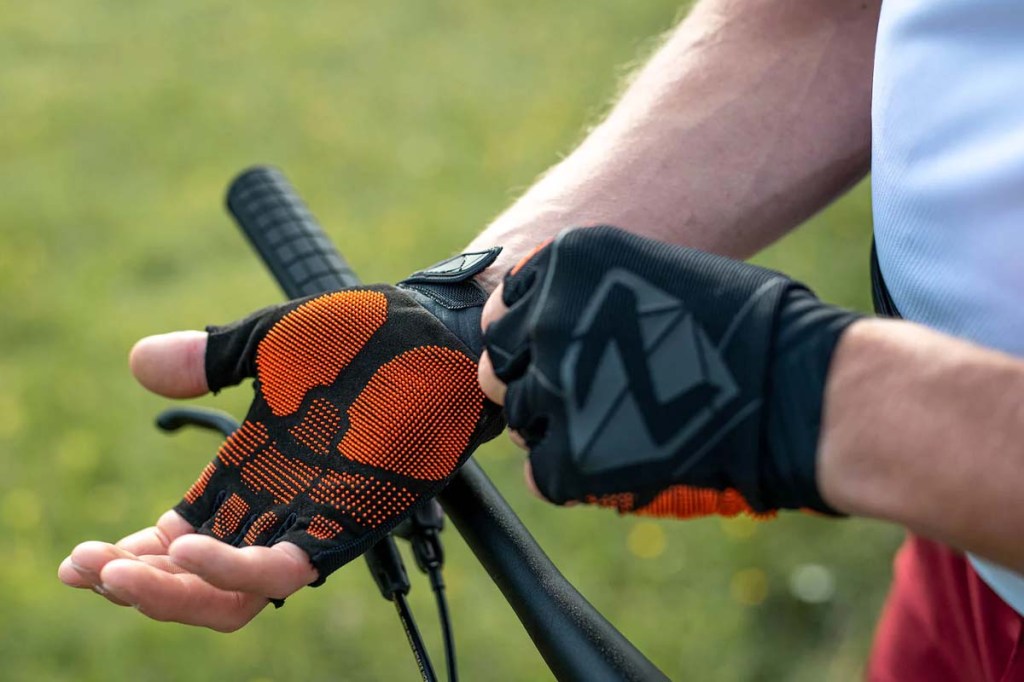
column 286, row 235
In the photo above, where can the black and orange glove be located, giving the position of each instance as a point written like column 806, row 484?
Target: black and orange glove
column 367, row 402
column 661, row 380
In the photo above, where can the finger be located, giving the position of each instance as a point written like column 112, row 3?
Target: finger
column 516, row 438
column 82, row 568
column 494, row 308
column 492, row 387
column 172, row 365
column 156, row 539
column 181, row 598
column 89, row 558
column 68, row 575
column 505, row 323
column 531, row 485
column 276, row 571
column 75, row 576
column 490, row 384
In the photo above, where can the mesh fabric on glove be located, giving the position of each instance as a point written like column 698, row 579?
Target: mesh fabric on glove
column 663, row 380
column 366, row 404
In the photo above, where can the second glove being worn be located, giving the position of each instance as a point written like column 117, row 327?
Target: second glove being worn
column 366, row 404
column 664, row 380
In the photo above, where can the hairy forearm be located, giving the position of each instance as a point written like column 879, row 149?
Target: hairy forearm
column 751, row 117
column 927, row 431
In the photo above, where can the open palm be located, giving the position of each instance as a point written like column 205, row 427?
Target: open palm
column 167, row 571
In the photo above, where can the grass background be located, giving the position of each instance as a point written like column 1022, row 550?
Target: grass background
column 407, row 126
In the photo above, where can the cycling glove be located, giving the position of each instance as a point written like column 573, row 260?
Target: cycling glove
column 366, row 404
column 663, row 380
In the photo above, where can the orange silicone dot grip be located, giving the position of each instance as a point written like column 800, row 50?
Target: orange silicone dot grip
column 199, row 487
column 318, row 427
column 241, row 444
column 283, row 477
column 416, row 414
column 323, row 528
column 310, row 345
column 229, row 516
column 367, row 500
column 261, row 525
column 684, row 502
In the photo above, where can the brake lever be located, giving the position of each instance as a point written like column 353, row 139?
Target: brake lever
column 175, row 418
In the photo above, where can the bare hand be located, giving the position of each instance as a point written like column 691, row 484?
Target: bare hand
column 167, row 571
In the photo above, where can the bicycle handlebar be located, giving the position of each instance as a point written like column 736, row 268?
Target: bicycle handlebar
column 575, row 640
column 286, row 235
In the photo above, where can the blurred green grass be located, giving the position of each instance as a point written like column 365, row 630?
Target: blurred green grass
column 407, row 126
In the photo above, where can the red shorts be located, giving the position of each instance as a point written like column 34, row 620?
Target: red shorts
column 942, row 622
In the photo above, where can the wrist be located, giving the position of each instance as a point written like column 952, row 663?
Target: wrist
column 848, row 481
column 489, row 279
column 527, row 223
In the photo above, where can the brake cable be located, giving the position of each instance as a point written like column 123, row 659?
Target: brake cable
column 423, row 531
column 388, row 571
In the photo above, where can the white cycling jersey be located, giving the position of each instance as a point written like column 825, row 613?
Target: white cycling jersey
column 948, row 177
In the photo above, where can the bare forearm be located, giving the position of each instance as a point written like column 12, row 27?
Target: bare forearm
column 751, row 117
column 927, row 431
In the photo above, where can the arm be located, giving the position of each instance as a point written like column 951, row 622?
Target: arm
column 927, row 431
column 754, row 115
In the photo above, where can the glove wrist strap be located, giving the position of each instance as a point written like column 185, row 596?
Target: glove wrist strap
column 448, row 291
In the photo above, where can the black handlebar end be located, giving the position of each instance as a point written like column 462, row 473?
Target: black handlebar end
column 284, row 232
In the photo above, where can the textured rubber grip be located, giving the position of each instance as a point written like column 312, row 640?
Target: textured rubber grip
column 286, row 235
